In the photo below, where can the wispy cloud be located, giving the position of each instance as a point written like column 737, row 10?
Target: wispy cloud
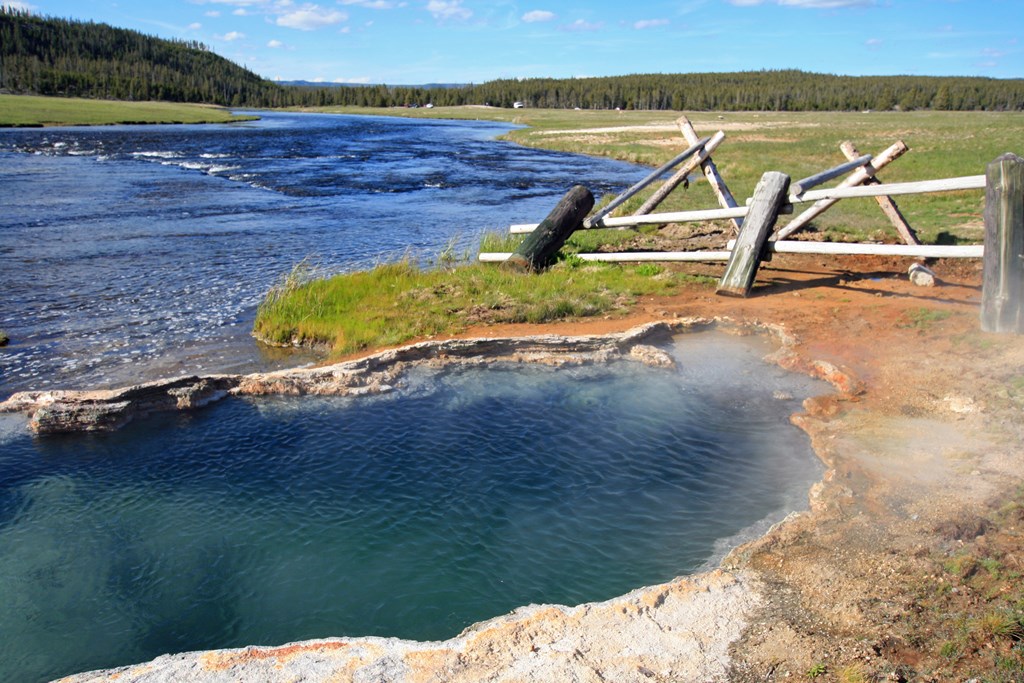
column 310, row 17
column 274, row 44
column 583, row 26
column 194, row 26
column 372, row 4
column 230, row 36
column 448, row 9
column 538, row 15
column 306, row 17
column 650, row 23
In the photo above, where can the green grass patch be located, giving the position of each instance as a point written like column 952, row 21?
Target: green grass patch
column 30, row 110
column 924, row 318
column 394, row 303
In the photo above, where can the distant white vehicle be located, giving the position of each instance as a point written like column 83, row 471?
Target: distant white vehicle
column 429, row 105
column 518, row 105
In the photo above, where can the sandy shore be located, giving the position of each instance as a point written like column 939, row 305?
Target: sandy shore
column 890, row 576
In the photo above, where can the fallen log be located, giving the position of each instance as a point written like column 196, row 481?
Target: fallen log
column 538, row 250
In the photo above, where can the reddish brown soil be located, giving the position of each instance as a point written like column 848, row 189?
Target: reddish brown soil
column 925, row 469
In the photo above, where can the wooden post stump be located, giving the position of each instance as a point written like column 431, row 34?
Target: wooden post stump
column 539, row 248
column 1002, row 298
column 769, row 195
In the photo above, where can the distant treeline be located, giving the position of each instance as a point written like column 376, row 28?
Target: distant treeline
column 48, row 56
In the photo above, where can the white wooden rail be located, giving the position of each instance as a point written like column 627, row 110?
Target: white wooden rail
column 973, row 182
column 786, row 246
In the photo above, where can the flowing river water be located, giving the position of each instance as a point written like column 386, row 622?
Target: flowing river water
column 135, row 252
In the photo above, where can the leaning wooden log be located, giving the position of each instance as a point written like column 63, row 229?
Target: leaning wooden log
column 538, row 250
column 1002, row 297
column 681, row 175
column 807, row 183
column 741, row 269
column 715, row 180
column 886, row 203
column 894, row 152
column 651, row 177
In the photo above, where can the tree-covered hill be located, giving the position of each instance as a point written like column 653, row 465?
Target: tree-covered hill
column 47, row 56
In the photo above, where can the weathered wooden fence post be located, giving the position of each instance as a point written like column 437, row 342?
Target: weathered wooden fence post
column 1002, row 298
column 895, row 151
column 740, row 271
column 539, row 248
column 888, row 206
column 725, row 198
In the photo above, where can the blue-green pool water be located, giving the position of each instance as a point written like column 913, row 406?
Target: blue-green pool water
column 462, row 495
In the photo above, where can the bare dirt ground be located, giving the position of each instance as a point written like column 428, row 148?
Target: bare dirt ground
column 908, row 566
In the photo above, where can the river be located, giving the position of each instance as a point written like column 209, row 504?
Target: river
column 138, row 252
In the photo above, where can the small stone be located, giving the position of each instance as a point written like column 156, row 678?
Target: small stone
column 921, row 276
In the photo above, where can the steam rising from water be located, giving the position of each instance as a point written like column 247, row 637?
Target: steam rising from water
column 459, row 497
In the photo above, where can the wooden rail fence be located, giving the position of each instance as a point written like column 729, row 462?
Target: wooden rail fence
column 1002, row 307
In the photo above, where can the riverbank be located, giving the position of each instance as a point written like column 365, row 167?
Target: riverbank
column 905, row 568
column 30, row 111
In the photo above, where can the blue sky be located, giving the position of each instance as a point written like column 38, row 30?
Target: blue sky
column 462, row 41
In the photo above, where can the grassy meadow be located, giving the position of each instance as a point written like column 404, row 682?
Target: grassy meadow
column 29, row 110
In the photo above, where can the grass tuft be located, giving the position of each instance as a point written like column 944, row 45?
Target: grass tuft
column 397, row 302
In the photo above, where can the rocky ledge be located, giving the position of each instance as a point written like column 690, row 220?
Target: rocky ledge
column 679, row 631
column 104, row 410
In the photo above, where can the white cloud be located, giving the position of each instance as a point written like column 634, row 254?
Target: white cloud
column 650, row 23
column 194, row 26
column 310, row 17
column 582, row 26
column 538, row 15
column 448, row 9
column 241, row 12
column 19, row 6
column 371, row 4
column 230, row 36
column 212, row 13
column 274, row 44
column 873, row 42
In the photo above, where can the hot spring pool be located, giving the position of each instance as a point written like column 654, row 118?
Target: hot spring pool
column 461, row 496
